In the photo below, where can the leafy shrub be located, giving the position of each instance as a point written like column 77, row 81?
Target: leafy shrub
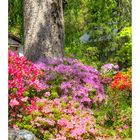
column 85, row 53
column 100, row 21
column 123, row 123
column 124, row 54
column 116, row 110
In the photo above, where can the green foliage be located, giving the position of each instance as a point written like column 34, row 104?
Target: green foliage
column 123, row 124
column 115, row 113
column 106, row 22
column 124, row 55
column 15, row 17
column 54, row 95
column 103, row 20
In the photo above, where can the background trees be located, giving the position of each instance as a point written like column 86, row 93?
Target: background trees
column 15, row 17
column 103, row 21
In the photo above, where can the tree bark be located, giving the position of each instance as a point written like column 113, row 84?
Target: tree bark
column 43, row 29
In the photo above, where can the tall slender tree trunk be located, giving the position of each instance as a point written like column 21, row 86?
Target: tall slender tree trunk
column 43, row 29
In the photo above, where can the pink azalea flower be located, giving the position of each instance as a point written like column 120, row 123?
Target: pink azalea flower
column 13, row 102
column 15, row 126
column 62, row 122
column 70, row 125
column 57, row 101
column 51, row 122
column 38, row 124
column 92, row 131
column 47, row 94
column 24, row 99
column 126, row 126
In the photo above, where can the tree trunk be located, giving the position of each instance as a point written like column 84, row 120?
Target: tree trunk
column 43, row 29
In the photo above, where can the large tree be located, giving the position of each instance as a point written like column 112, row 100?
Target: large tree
column 43, row 29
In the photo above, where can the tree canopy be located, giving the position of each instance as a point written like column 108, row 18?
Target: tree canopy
column 102, row 20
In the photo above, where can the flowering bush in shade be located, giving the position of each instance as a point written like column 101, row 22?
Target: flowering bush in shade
column 57, row 119
column 71, row 79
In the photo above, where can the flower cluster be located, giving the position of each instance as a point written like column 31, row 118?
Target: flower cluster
column 107, row 73
column 54, row 98
column 23, row 79
column 57, row 119
column 122, row 81
column 50, row 95
column 70, row 78
column 107, row 67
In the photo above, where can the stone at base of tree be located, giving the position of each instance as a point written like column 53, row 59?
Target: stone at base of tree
column 21, row 135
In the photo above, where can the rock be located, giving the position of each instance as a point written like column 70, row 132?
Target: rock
column 21, row 135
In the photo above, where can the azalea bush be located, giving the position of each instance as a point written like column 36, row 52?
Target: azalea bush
column 53, row 95
column 24, row 78
column 60, row 99
column 70, row 79
column 123, row 81
column 57, row 119
column 116, row 110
